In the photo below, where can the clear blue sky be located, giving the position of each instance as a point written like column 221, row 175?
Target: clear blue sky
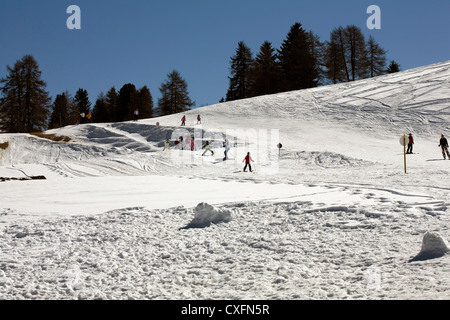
column 141, row 41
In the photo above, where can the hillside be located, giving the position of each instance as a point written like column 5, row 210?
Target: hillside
column 332, row 215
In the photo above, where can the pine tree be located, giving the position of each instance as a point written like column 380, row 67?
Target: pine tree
column 393, row 67
column 298, row 64
column 60, row 115
column 376, row 58
column 316, row 48
column 175, row 97
column 125, row 103
column 144, row 103
column 111, row 102
column 81, row 105
column 100, row 112
column 265, row 73
column 334, row 62
column 347, row 56
column 241, row 64
column 356, row 52
column 336, row 58
column 24, row 105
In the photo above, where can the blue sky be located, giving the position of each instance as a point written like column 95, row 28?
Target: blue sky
column 141, row 41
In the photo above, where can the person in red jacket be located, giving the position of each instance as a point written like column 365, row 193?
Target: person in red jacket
column 247, row 160
column 410, row 144
column 183, row 121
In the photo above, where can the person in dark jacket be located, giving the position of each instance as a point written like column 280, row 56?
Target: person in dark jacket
column 443, row 143
column 410, row 144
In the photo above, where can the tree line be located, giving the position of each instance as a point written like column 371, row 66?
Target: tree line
column 25, row 105
column 303, row 61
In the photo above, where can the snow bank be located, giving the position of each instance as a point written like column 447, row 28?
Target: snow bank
column 433, row 246
column 206, row 214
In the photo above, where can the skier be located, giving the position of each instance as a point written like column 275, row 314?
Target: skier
column 247, row 160
column 192, row 144
column 136, row 115
column 181, row 143
column 207, row 147
column 199, row 120
column 410, row 144
column 183, row 121
column 443, row 143
column 227, row 146
column 166, row 145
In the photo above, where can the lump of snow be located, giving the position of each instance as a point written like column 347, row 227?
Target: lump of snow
column 206, row 214
column 433, row 246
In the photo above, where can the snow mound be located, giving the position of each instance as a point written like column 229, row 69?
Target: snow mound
column 206, row 214
column 433, row 246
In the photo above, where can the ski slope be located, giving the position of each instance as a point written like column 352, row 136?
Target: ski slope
column 332, row 215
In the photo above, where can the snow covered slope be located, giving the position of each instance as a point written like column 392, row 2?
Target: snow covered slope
column 333, row 215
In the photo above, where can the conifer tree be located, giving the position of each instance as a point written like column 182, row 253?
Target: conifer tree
column 376, row 58
column 298, row 64
column 25, row 103
column 144, row 102
column 62, row 107
column 111, row 102
column 336, row 58
column 393, row 67
column 239, row 81
column 348, row 57
column 265, row 73
column 81, row 105
column 100, row 112
column 125, row 103
column 316, row 48
column 174, row 95
column 356, row 52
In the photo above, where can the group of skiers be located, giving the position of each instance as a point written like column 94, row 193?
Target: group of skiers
column 443, row 143
column 189, row 144
column 183, row 120
column 182, row 144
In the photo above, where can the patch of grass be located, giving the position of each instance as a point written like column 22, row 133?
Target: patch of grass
column 52, row 137
column 4, row 145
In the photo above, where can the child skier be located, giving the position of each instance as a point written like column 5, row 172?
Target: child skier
column 207, row 147
column 247, row 160
column 227, row 148
column 193, row 148
column 443, row 143
column 166, row 145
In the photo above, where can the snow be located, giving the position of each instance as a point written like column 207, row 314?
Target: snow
column 332, row 216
